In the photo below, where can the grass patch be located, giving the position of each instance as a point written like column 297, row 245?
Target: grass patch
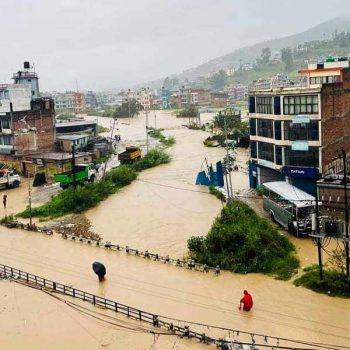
column 334, row 283
column 157, row 134
column 241, row 241
column 101, row 129
column 81, row 198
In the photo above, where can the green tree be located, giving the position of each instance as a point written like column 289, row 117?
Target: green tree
column 188, row 112
column 287, row 59
column 123, row 110
column 265, row 55
column 231, row 121
column 218, row 80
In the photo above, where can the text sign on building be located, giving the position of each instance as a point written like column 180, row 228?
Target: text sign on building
column 301, row 172
column 301, row 119
column 300, row 146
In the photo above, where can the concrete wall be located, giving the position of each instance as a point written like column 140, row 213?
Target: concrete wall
column 19, row 96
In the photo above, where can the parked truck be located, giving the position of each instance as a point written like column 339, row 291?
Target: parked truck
column 82, row 173
column 130, row 155
column 8, row 179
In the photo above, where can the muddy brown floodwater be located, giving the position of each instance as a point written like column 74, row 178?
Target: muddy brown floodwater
column 158, row 212
column 164, row 207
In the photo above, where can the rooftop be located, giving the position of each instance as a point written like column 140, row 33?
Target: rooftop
column 293, row 194
column 75, row 123
column 56, row 155
column 72, row 137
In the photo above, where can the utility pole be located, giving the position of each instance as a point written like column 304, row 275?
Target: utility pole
column 227, row 162
column 146, row 130
column 317, row 228
column 111, row 138
column 30, row 201
column 346, row 210
column 73, row 166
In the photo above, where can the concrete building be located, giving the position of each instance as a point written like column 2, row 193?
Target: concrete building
column 199, row 97
column 165, row 98
column 77, row 127
column 237, row 92
column 27, row 76
column 66, row 142
column 91, row 100
column 144, row 98
column 219, row 99
column 70, row 102
column 296, row 129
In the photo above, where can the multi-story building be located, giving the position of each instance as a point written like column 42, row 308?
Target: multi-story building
column 297, row 129
column 27, row 76
column 165, row 98
column 91, row 100
column 199, row 97
column 237, row 92
column 219, row 99
column 79, row 102
column 144, row 98
column 71, row 102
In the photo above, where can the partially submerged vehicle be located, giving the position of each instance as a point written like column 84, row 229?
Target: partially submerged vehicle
column 289, row 206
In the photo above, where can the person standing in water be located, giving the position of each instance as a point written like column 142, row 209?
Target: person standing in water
column 4, row 200
column 246, row 301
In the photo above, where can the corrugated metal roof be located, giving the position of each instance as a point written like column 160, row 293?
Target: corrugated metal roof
column 290, row 193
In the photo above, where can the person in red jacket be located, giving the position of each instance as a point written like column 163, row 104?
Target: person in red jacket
column 247, row 302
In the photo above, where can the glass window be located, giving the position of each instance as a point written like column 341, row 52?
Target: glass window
column 300, row 105
column 301, row 158
column 265, row 128
column 278, row 153
column 6, row 140
column 278, row 130
column 264, row 105
column 301, row 131
column 253, row 150
column 5, row 123
column 277, row 105
column 251, row 104
column 266, row 151
column 252, row 124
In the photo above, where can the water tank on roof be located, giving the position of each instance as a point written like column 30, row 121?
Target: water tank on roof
column 26, row 65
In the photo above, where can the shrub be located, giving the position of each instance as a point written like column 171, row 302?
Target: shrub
column 218, row 194
column 153, row 158
column 241, row 241
column 334, row 283
column 157, row 134
column 122, row 176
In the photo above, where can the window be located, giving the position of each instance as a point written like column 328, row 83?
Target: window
column 253, row 150
column 5, row 140
column 266, row 151
column 301, row 131
column 251, row 104
column 278, row 130
column 265, row 128
column 300, row 105
column 252, row 125
column 325, row 80
column 277, row 105
column 264, row 105
column 5, row 123
column 301, row 158
column 278, row 153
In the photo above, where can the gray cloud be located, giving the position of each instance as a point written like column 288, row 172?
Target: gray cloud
column 112, row 43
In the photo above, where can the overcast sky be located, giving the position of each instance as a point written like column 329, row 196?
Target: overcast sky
column 108, row 44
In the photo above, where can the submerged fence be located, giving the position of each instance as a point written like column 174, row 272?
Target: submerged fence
column 189, row 264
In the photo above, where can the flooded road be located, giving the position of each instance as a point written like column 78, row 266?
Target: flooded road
column 280, row 308
column 164, row 207
column 159, row 212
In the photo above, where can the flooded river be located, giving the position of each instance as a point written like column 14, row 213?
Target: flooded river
column 158, row 212
column 164, row 207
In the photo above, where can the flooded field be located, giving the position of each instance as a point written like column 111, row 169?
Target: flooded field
column 158, row 212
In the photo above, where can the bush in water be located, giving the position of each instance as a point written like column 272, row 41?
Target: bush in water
column 241, row 241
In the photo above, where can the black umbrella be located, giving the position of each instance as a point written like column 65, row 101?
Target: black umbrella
column 99, row 269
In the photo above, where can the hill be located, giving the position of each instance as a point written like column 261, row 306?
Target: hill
column 321, row 32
